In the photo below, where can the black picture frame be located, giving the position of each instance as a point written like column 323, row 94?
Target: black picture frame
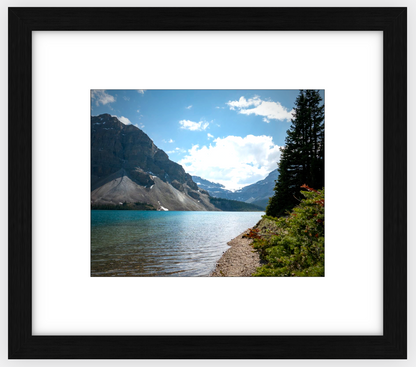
column 391, row 345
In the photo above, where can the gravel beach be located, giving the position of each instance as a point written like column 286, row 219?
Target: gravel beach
column 240, row 260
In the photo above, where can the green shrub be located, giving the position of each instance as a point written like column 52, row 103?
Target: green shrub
column 297, row 246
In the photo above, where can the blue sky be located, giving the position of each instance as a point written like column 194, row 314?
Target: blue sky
column 227, row 136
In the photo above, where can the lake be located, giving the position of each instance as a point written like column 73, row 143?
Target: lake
column 152, row 243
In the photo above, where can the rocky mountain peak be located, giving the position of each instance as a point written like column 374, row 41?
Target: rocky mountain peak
column 121, row 152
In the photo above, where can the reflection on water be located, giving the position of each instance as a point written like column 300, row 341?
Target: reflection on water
column 150, row 243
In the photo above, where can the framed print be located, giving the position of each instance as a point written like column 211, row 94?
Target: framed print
column 108, row 58
column 209, row 188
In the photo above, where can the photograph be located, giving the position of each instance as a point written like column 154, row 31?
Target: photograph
column 207, row 183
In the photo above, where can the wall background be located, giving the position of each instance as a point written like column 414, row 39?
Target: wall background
column 213, row 3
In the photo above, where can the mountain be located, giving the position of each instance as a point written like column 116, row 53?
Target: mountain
column 214, row 189
column 207, row 185
column 129, row 172
column 127, row 167
column 257, row 193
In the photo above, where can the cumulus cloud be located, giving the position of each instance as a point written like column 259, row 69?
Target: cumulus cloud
column 101, row 96
column 141, row 91
column 140, row 126
column 123, row 119
column 243, row 103
column 126, row 98
column 193, row 126
column 268, row 109
column 210, row 136
column 189, row 107
column 233, row 161
column 138, row 111
column 168, row 141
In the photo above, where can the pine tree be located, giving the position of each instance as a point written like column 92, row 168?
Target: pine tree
column 302, row 159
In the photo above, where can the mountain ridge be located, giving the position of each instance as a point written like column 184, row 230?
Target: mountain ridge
column 128, row 168
column 257, row 193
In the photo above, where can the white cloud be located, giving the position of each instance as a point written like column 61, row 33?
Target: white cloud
column 193, row 126
column 242, row 102
column 101, row 96
column 271, row 110
column 210, row 136
column 123, row 119
column 168, row 141
column 141, row 91
column 138, row 111
column 126, row 98
column 233, row 161
column 268, row 109
column 189, row 107
column 140, row 126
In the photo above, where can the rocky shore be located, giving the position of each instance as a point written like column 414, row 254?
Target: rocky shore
column 240, row 260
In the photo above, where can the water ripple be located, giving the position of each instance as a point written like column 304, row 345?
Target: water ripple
column 140, row 243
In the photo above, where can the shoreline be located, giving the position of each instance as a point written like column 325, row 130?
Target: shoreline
column 240, row 260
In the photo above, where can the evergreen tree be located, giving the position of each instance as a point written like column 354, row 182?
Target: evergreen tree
column 302, row 159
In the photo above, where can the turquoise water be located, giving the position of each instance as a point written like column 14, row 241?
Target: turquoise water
column 151, row 243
